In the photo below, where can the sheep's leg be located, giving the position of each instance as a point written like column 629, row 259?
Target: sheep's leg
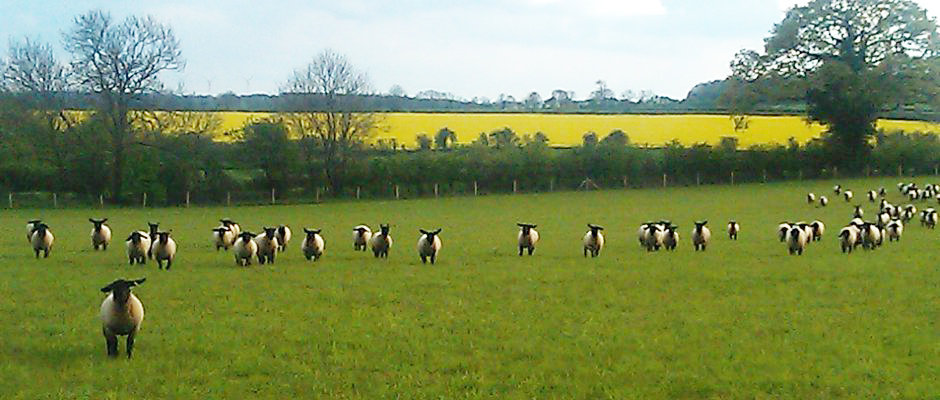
column 585, row 252
column 130, row 343
column 271, row 257
column 111, row 343
column 37, row 253
column 531, row 250
column 45, row 253
column 433, row 256
column 168, row 264
column 424, row 259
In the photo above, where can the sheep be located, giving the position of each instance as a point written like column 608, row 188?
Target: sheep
column 231, row 225
column 859, row 212
column 883, row 218
column 223, row 237
column 164, row 249
column 30, row 227
column 796, row 241
column 733, row 229
column 671, row 238
column 823, row 201
column 807, row 229
column 267, row 245
column 882, row 192
column 361, row 236
column 895, row 229
column 121, row 314
column 594, row 240
column 848, row 238
column 872, row 196
column 154, row 227
column 137, row 245
column 642, row 233
column 837, row 189
column 782, row 230
column 313, row 245
column 42, row 240
column 101, row 234
column 283, row 236
column 931, row 222
column 848, row 195
column 908, row 213
column 871, row 236
column 810, row 198
column 527, row 238
column 429, row 244
column 700, row 235
column 381, row 242
column 818, row 230
column 244, row 248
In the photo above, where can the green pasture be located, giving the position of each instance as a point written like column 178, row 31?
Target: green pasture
column 742, row 320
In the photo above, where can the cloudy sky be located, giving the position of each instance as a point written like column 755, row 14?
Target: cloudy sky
column 469, row 48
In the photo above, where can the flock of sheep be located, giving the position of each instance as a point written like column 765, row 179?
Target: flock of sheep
column 122, row 312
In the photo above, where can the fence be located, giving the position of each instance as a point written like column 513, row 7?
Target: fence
column 438, row 189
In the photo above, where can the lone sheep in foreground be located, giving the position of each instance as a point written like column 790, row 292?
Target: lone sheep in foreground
column 381, row 242
column 594, row 240
column 121, row 314
column 137, row 245
column 701, row 235
column 164, row 249
column 733, row 229
column 283, row 236
column 361, row 236
column 42, row 240
column 267, row 245
column 100, row 234
column 429, row 244
column 30, row 227
column 313, row 245
column 527, row 238
column 244, row 249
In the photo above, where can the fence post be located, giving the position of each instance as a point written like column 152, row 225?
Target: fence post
column 765, row 176
column 732, row 178
column 187, row 199
column 474, row 190
column 835, row 172
column 624, row 181
column 435, row 190
column 935, row 170
column 868, row 171
column 272, row 196
column 551, row 185
column 801, row 174
column 101, row 200
column 358, row 192
column 144, row 201
column 515, row 185
column 698, row 179
column 397, row 193
column 228, row 199
column 55, row 200
column 11, row 199
column 900, row 170
column 664, row 180
column 318, row 195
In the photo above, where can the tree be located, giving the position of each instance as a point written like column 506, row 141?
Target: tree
column 602, row 93
column 504, row 138
column 443, row 138
column 326, row 100
column 120, row 62
column 850, row 59
column 423, row 141
column 589, row 139
column 397, row 91
column 270, row 150
column 617, row 138
column 533, row 101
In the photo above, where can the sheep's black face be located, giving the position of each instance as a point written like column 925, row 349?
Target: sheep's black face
column 121, row 289
column 134, row 237
column 385, row 230
column 163, row 237
column 282, row 230
column 270, row 232
column 97, row 222
column 430, row 235
column 41, row 228
column 246, row 236
column 311, row 233
column 154, row 227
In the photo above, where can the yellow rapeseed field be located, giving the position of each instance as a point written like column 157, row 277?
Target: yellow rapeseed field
column 568, row 129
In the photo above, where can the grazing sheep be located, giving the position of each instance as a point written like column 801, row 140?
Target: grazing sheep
column 700, row 235
column 381, row 242
column 244, row 248
column 671, row 238
column 782, row 230
column 223, row 237
column 361, row 236
column 42, row 240
column 733, row 229
column 848, row 195
column 894, row 230
column 100, row 234
column 527, row 238
column 30, row 227
column 837, row 189
column 231, row 225
column 872, row 196
column 121, row 314
column 429, row 244
column 154, row 228
column 796, row 241
column 859, row 212
column 818, row 230
column 267, row 245
column 137, row 245
column 848, row 238
column 594, row 240
column 283, row 236
column 164, row 249
column 810, row 198
column 313, row 245
column 823, row 201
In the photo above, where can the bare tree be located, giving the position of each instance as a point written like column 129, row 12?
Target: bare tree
column 120, row 62
column 326, row 104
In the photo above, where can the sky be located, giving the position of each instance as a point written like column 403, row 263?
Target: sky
column 481, row 48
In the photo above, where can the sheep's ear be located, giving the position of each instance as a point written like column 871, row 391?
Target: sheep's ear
column 423, row 232
column 91, row 220
column 533, row 226
column 108, row 288
column 103, row 220
column 129, row 237
column 138, row 282
column 317, row 231
column 520, row 224
column 438, row 231
column 307, row 230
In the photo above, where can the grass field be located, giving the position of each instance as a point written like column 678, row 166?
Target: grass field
column 742, row 320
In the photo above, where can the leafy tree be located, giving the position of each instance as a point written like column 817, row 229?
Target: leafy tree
column 589, row 139
column 120, row 63
column 602, row 93
column 533, row 101
column 326, row 97
column 423, row 141
column 443, row 138
column 269, row 147
column 617, row 138
column 504, row 138
column 850, row 59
